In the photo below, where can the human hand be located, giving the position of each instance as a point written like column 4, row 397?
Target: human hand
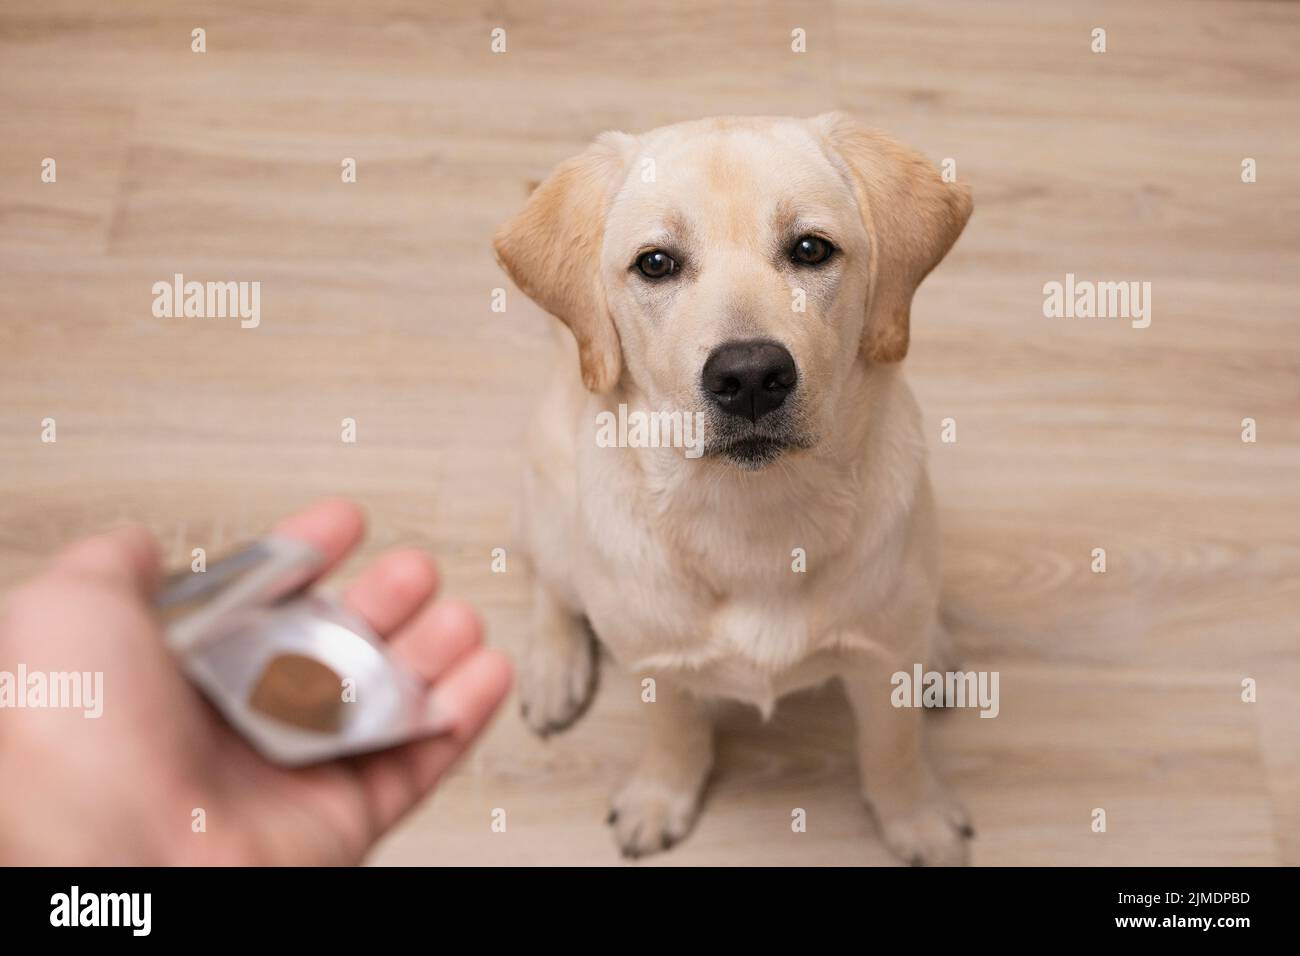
column 123, row 788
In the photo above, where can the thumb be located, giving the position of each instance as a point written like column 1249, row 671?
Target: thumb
column 126, row 557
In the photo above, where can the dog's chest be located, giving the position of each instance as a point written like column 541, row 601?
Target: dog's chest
column 717, row 594
column 752, row 648
column 756, row 653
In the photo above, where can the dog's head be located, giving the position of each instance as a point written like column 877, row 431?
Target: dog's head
column 740, row 267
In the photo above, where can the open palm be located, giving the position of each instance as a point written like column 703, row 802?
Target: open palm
column 159, row 777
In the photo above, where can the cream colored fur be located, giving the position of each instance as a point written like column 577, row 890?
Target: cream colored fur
column 683, row 567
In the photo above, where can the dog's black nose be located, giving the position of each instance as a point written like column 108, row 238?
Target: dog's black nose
column 749, row 378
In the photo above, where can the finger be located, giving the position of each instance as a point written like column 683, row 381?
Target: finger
column 467, row 696
column 126, row 556
column 396, row 780
column 440, row 635
column 390, row 591
column 333, row 526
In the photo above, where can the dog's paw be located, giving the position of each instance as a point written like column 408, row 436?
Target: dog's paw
column 648, row 816
column 558, row 679
column 936, row 833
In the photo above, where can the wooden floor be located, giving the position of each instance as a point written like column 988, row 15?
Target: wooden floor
column 1119, row 690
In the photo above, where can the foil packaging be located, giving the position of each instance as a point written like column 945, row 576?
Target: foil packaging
column 302, row 678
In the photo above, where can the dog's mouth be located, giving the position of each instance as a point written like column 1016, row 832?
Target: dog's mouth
column 752, row 445
column 754, row 450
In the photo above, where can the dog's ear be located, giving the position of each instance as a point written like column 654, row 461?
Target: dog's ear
column 552, row 252
column 912, row 219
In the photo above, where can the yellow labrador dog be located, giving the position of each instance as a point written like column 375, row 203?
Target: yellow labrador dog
column 753, row 276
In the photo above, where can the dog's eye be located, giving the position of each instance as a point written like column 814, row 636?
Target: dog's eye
column 656, row 264
column 811, row 250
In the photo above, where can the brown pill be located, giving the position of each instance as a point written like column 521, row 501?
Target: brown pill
column 300, row 691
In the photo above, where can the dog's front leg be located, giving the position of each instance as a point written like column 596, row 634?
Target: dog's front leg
column 657, row 807
column 560, row 666
column 917, row 819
